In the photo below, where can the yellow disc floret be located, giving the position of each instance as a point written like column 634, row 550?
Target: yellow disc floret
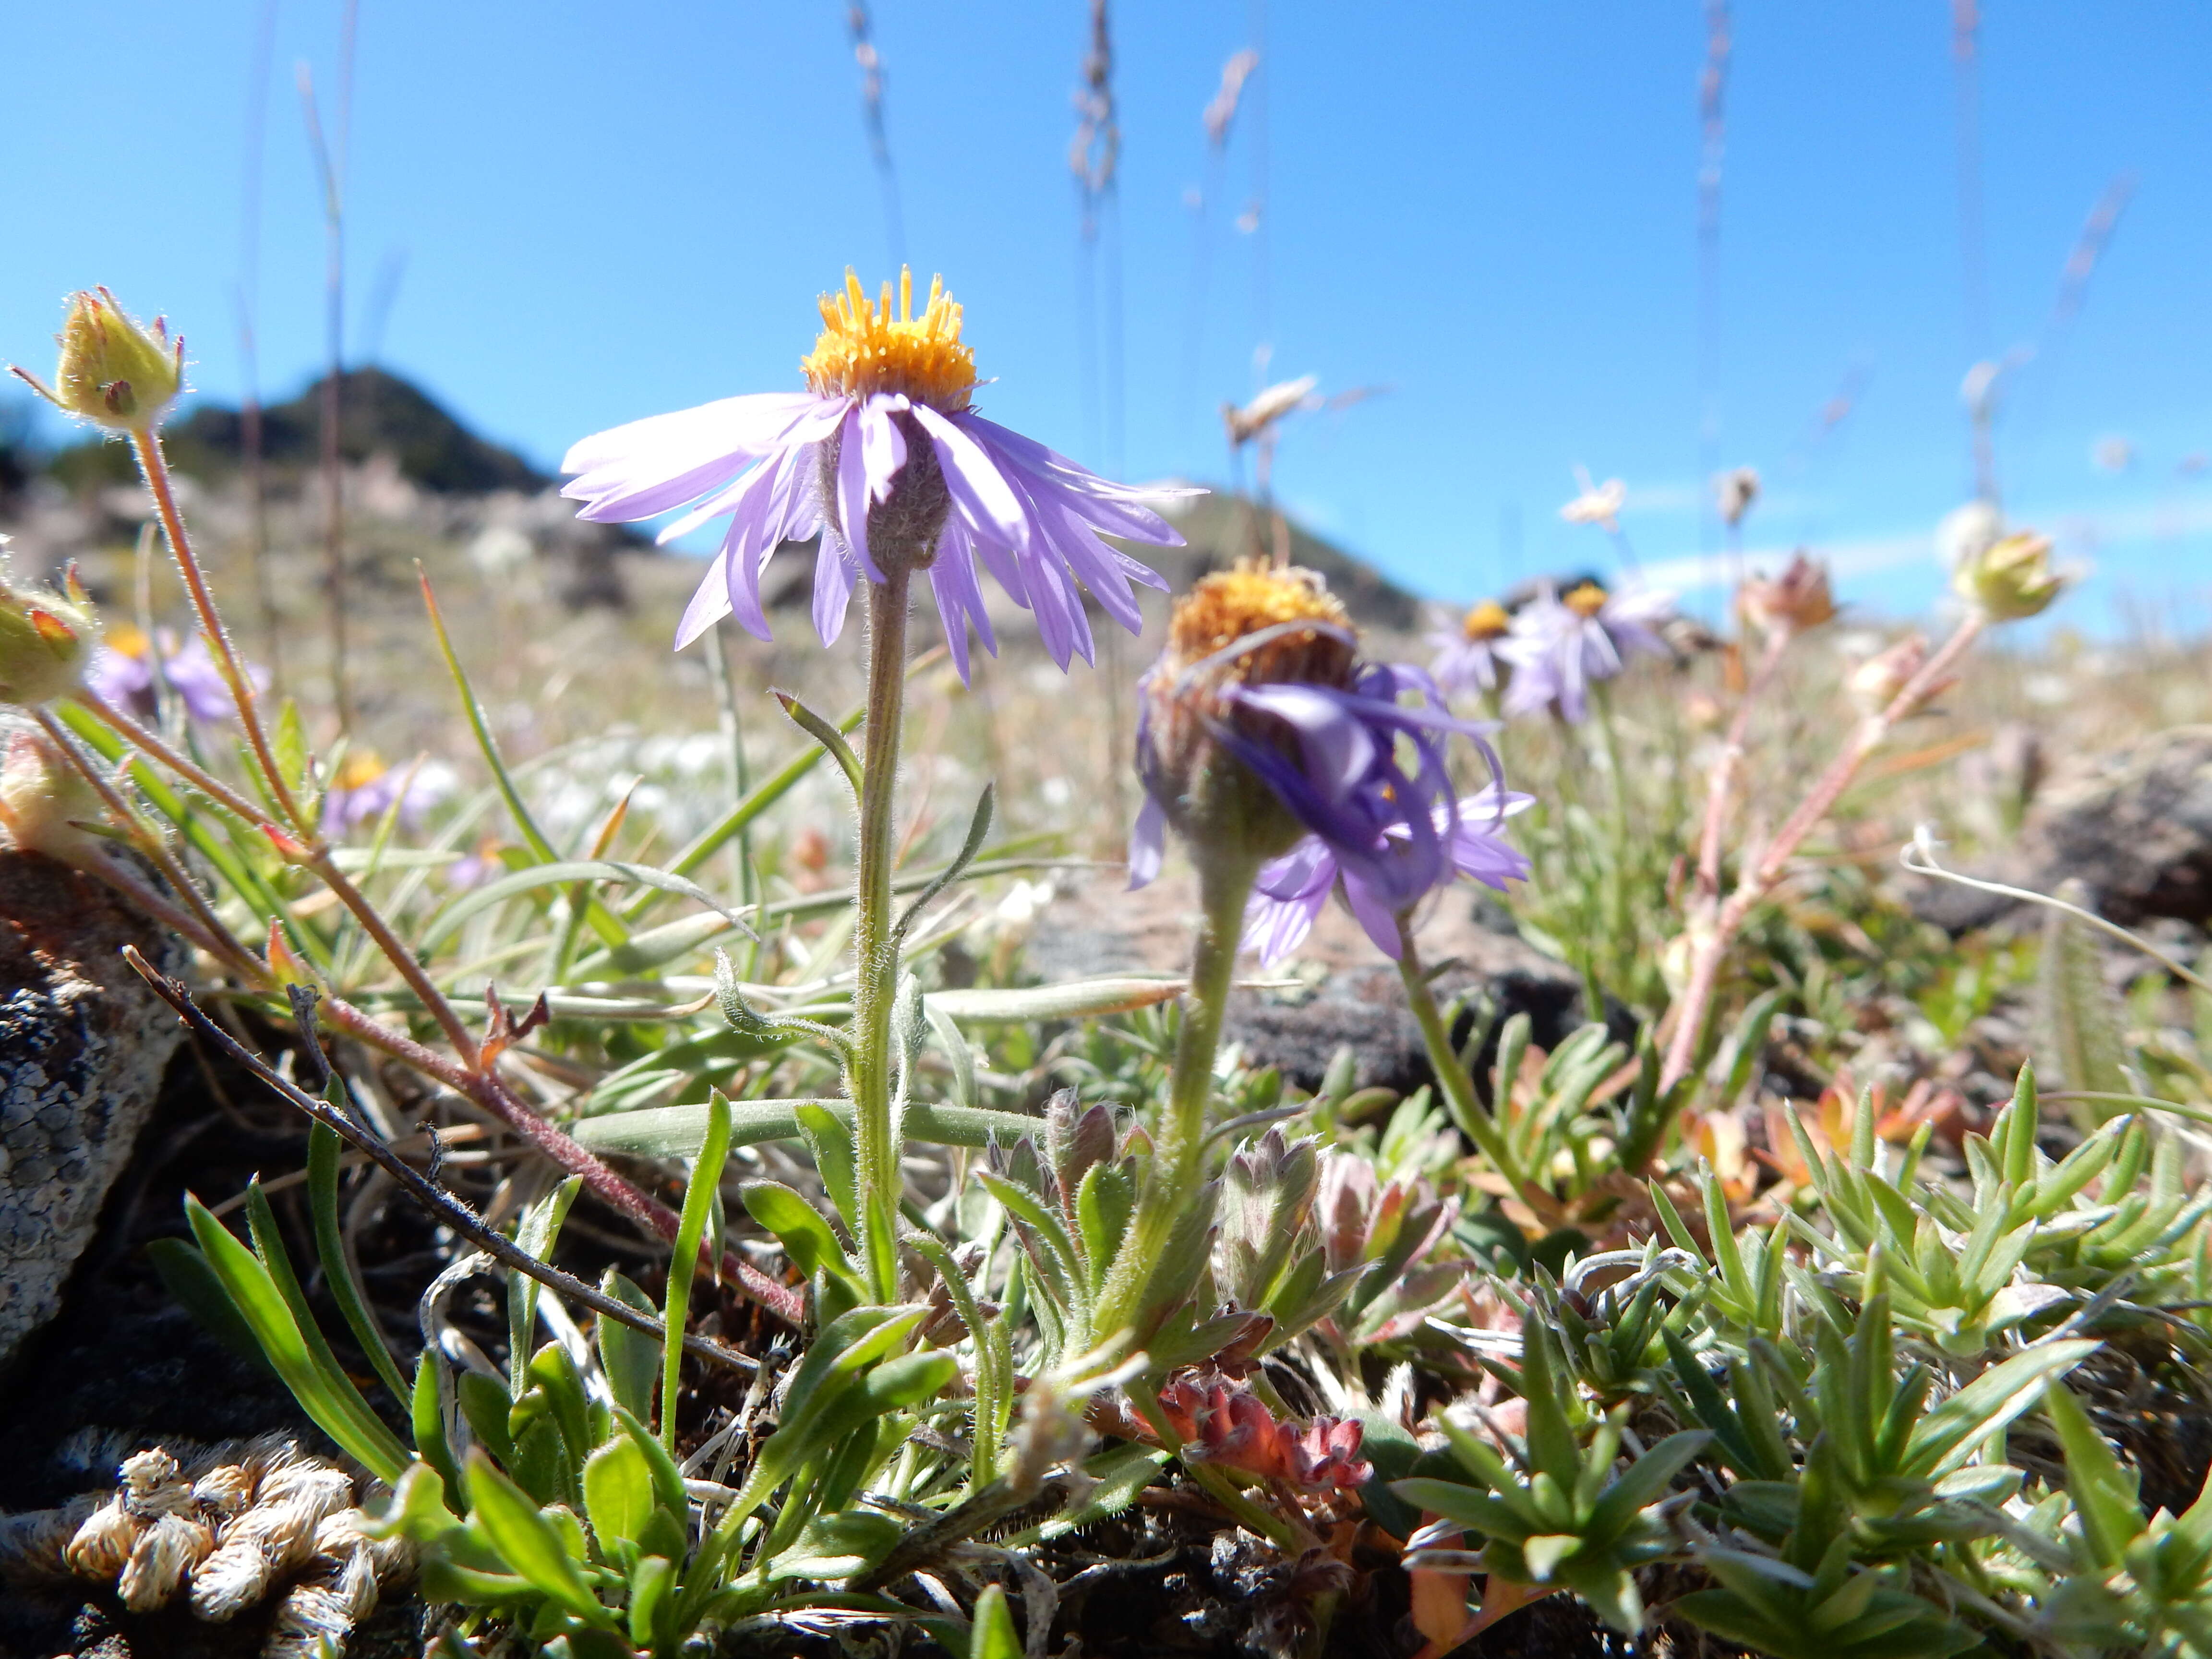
column 865, row 349
column 1586, row 601
column 362, row 768
column 1229, row 604
column 1487, row 621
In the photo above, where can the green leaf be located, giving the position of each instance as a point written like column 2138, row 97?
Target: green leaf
column 1944, row 1439
column 184, row 1271
column 2104, row 1493
column 798, row 1227
column 683, row 1265
column 838, row 1546
column 427, row 1418
column 540, row 1225
column 324, row 1391
column 630, row 1359
column 1082, row 999
column 618, row 1491
column 324, row 1147
column 994, row 1637
column 539, row 876
column 678, row 1131
column 527, row 1542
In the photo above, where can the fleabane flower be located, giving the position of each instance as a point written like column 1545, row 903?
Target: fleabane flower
column 365, row 789
column 883, row 456
column 122, row 674
column 1291, row 890
column 1560, row 647
column 1262, row 736
column 1467, row 656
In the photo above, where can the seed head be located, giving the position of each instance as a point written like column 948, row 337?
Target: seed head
column 2011, row 578
column 1791, row 603
column 43, row 801
column 45, row 642
column 113, row 372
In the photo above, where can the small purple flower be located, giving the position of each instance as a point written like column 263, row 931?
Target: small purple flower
column 1466, row 660
column 1560, row 647
column 122, row 674
column 1291, row 889
column 884, row 458
column 365, row 789
column 1365, row 775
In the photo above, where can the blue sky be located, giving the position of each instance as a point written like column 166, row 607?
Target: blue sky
column 1489, row 211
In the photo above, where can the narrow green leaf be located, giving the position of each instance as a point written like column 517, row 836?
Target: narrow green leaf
column 698, row 1200
column 994, row 1637
column 618, row 1491
column 527, row 1542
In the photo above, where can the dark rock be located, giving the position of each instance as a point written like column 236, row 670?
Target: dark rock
column 2138, row 834
column 1364, row 1009
column 83, row 1045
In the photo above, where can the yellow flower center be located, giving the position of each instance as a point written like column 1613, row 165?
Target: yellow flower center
column 1229, row 604
column 865, row 349
column 126, row 640
column 1487, row 621
column 1586, row 601
column 361, row 767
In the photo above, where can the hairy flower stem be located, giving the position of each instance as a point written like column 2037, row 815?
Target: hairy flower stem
column 1711, row 940
column 875, row 952
column 1178, row 1165
column 1624, row 945
column 1466, row 1106
column 155, row 467
column 1720, row 785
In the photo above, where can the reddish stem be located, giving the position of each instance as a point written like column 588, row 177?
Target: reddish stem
column 1710, row 946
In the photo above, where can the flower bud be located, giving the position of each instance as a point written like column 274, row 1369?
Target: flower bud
column 1300, row 635
column 46, row 643
column 112, row 371
column 1797, row 600
column 1874, row 683
column 2011, row 578
column 43, row 800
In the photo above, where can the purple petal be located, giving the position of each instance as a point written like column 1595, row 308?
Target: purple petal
column 882, row 446
column 852, row 496
column 833, row 590
column 645, row 468
column 1147, row 843
column 710, row 601
column 1373, row 913
column 978, row 489
column 1338, row 747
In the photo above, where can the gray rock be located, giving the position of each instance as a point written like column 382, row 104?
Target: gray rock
column 2139, row 832
column 1337, row 990
column 2135, row 831
column 83, row 1043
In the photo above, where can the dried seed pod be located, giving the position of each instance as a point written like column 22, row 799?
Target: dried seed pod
column 164, row 1553
column 270, row 1537
column 103, row 1543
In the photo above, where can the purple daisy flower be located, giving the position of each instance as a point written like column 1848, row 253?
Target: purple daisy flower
column 1365, row 774
column 1291, row 889
column 1560, row 647
column 1466, row 660
column 365, row 789
column 884, row 458
column 121, row 674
